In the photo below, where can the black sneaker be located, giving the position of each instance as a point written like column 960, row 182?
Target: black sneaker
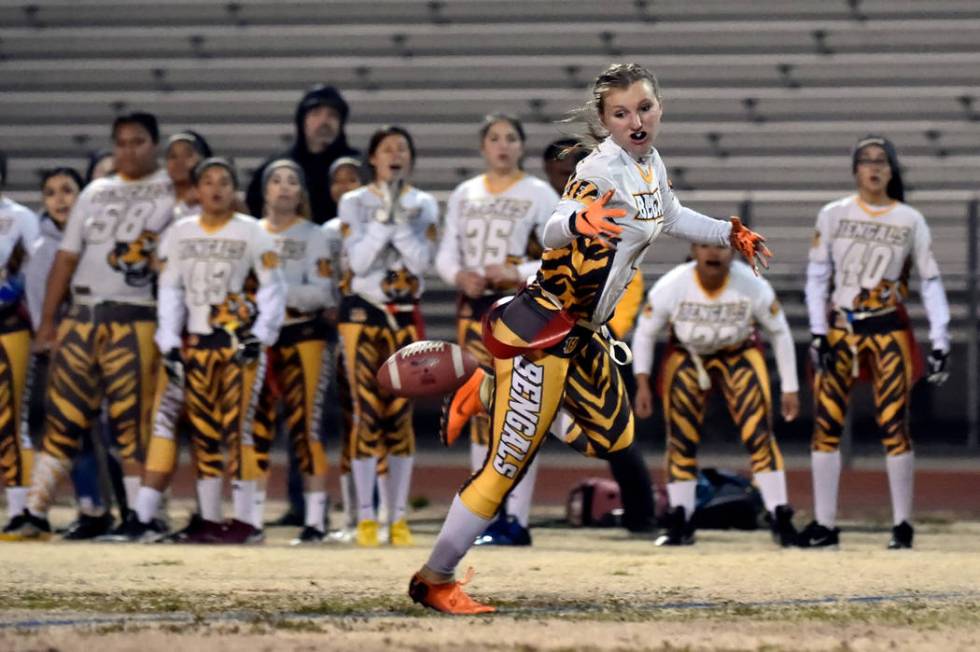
column 680, row 531
column 309, row 535
column 237, row 532
column 199, row 530
column 289, row 519
column 505, row 531
column 901, row 536
column 815, row 535
column 89, row 527
column 132, row 530
column 781, row 523
column 26, row 527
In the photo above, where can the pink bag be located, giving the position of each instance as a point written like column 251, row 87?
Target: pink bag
column 594, row 502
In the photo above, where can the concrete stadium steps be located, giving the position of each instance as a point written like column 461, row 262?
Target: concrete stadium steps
column 466, row 70
column 772, row 37
column 801, row 138
column 195, row 12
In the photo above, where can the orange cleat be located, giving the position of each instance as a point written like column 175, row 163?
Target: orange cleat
column 447, row 597
column 459, row 407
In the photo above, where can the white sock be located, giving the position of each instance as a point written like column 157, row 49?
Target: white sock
column 772, row 486
column 519, row 500
column 48, row 471
column 826, row 478
column 385, row 489
column 209, row 498
column 258, row 509
column 243, row 499
column 316, row 507
column 901, row 481
column 683, row 494
column 147, row 504
column 400, row 480
column 349, row 495
column 478, row 455
column 16, row 500
column 87, row 507
column 132, row 486
column 457, row 535
column 364, row 472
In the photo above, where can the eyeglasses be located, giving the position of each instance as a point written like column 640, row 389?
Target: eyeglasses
column 873, row 162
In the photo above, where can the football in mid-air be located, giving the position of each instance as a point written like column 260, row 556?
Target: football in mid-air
column 426, row 368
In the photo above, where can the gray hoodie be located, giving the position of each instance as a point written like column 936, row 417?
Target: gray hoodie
column 38, row 267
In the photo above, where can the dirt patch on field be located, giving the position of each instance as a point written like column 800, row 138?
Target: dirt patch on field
column 574, row 589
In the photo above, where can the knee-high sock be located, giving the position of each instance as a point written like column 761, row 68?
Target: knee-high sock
column 519, row 500
column 148, row 504
column 385, row 488
column 478, row 454
column 348, row 494
column 456, row 537
column 772, row 486
column 132, row 486
column 826, row 479
column 399, row 482
column 16, row 500
column 683, row 494
column 258, row 508
column 364, row 471
column 901, row 481
column 85, row 477
column 243, row 500
column 316, row 508
column 48, row 471
column 209, row 498
column 635, row 487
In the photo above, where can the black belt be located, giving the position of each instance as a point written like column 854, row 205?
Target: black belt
column 873, row 325
column 118, row 311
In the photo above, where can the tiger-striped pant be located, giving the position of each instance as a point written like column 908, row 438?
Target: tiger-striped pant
column 743, row 380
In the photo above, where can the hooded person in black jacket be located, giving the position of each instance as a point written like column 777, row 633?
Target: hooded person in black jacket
column 320, row 140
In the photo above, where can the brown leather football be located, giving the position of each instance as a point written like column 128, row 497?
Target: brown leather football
column 426, row 368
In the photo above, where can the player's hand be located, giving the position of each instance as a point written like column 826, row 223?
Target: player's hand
column 45, row 338
column 643, row 400
column 471, row 283
column 750, row 244
column 595, row 221
column 937, row 361
column 502, row 276
column 821, row 355
column 789, row 405
column 173, row 364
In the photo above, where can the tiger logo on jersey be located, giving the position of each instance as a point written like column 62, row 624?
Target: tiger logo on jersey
column 581, row 191
column 236, row 311
column 400, row 285
column 134, row 259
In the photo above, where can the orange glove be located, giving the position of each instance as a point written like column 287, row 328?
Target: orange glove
column 594, row 221
column 750, row 244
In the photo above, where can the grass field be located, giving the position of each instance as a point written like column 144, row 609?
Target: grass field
column 573, row 590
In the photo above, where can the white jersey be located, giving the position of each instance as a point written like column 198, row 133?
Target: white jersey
column 869, row 250
column 19, row 227
column 114, row 227
column 202, row 281
column 705, row 322
column 387, row 260
column 487, row 228
column 589, row 279
column 306, row 266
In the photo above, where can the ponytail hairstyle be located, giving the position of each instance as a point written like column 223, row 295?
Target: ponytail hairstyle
column 618, row 76
column 895, row 188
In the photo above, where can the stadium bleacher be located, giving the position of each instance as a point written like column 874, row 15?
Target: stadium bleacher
column 763, row 99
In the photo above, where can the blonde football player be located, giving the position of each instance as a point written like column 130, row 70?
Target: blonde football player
column 491, row 244
column 549, row 344
column 205, row 261
column 389, row 231
column 712, row 306
column 864, row 248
